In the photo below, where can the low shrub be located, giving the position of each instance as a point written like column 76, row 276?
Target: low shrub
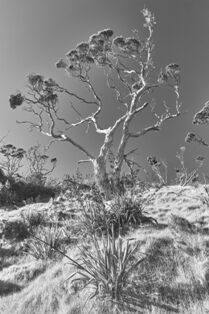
column 33, row 191
column 19, row 191
column 123, row 212
column 15, row 230
column 7, row 197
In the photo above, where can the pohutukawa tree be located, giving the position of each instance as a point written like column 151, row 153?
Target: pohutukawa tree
column 128, row 70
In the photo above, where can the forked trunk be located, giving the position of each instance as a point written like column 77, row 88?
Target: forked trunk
column 108, row 186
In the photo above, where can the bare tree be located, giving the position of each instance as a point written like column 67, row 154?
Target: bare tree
column 11, row 161
column 38, row 163
column 128, row 70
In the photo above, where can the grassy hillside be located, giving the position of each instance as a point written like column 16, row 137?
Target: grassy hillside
column 144, row 252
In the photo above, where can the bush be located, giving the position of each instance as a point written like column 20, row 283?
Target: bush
column 7, row 197
column 15, row 230
column 34, row 190
column 123, row 212
column 19, row 191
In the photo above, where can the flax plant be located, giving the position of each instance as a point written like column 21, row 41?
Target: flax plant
column 46, row 244
column 106, row 270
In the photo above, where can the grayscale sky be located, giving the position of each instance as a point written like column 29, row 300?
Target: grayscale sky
column 34, row 34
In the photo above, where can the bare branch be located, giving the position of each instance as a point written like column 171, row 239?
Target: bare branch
column 3, row 138
column 78, row 113
column 84, row 161
column 139, row 109
column 156, row 126
column 92, row 89
column 130, row 164
column 62, row 89
column 80, row 147
column 60, row 137
column 111, row 85
column 145, row 130
column 118, row 71
column 32, row 126
column 131, row 152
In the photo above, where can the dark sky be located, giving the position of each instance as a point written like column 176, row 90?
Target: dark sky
column 34, row 34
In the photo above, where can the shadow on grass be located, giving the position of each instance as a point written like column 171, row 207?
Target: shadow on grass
column 182, row 295
column 7, row 257
column 139, row 302
column 8, row 287
column 7, row 252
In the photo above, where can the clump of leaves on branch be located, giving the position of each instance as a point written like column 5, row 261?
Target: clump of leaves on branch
column 128, row 67
column 157, row 169
column 200, row 118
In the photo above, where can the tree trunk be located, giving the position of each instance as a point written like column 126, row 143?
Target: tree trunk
column 106, row 184
column 101, row 177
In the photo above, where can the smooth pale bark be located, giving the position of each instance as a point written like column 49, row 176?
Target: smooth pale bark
column 101, row 177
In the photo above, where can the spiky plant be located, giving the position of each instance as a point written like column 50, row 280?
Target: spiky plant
column 123, row 212
column 46, row 244
column 106, row 269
